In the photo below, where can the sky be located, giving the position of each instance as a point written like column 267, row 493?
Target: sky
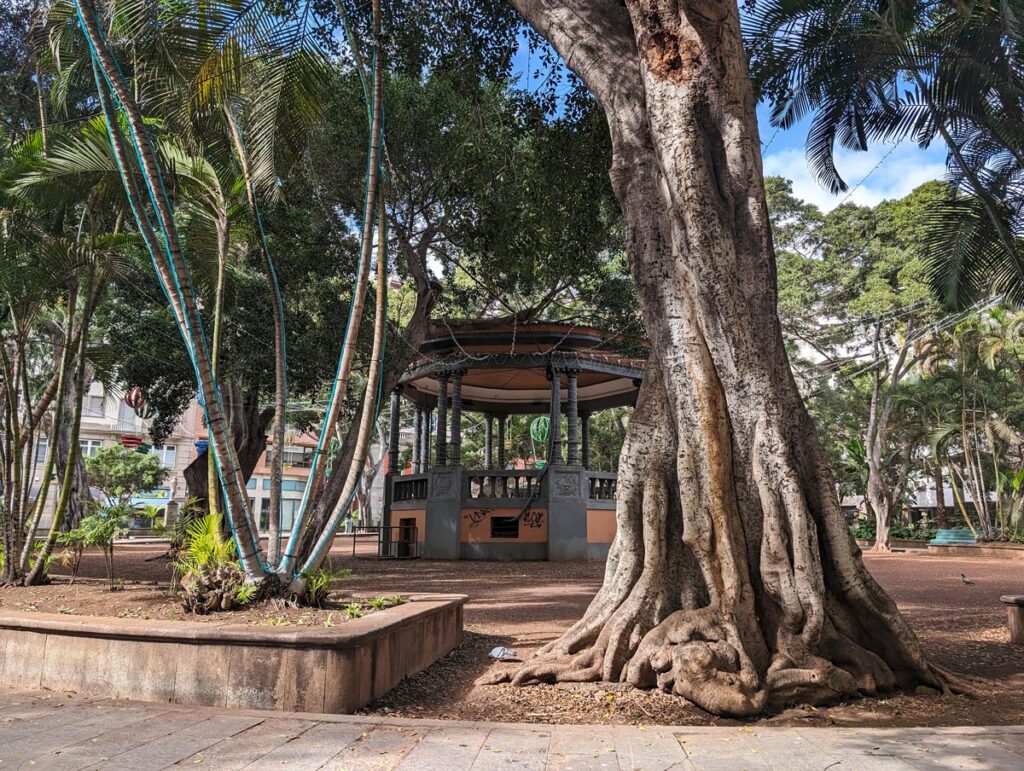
column 887, row 172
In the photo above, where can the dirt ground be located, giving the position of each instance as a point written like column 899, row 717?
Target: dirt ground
column 522, row 605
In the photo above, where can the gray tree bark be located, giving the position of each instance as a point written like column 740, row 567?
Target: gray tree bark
column 62, row 433
column 733, row 579
column 248, row 431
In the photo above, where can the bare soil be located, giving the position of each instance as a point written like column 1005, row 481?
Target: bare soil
column 522, row 605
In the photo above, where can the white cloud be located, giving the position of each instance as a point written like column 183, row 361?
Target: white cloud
column 906, row 168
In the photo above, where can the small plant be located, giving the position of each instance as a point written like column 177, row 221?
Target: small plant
column 353, row 610
column 71, row 556
column 246, row 593
column 37, row 548
column 277, row 621
column 318, row 583
column 210, row 578
column 379, row 603
column 99, row 530
column 329, row 621
column 396, row 599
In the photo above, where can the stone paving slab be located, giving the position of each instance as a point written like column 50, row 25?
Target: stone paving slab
column 45, row 730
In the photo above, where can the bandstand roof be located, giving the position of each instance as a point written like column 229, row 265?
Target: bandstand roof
column 506, row 365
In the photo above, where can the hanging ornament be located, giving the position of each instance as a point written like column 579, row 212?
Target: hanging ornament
column 145, row 411
column 133, row 398
column 540, row 428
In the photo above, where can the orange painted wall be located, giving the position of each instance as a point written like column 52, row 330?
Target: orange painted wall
column 420, row 515
column 476, row 525
column 600, row 525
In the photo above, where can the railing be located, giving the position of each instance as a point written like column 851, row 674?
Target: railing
column 513, row 483
column 398, row 542
column 602, row 486
column 410, row 488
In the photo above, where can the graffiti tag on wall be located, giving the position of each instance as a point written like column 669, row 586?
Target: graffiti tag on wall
column 477, row 516
column 532, row 519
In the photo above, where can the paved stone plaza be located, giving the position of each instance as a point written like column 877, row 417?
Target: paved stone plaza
column 47, row 730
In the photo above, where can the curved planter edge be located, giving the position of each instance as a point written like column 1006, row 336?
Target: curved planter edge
column 330, row 669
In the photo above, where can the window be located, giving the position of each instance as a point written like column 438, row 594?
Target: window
column 125, row 414
column 296, row 457
column 288, row 507
column 89, row 447
column 264, row 514
column 504, row 527
column 302, row 457
column 41, row 446
column 92, row 406
column 167, row 453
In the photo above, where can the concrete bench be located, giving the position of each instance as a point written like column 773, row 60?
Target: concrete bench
column 1015, row 616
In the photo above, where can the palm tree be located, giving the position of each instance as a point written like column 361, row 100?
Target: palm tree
column 154, row 215
column 884, row 72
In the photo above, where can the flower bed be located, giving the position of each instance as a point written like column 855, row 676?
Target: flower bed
column 290, row 667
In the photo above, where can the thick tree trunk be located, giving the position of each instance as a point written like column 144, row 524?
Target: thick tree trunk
column 733, row 579
column 248, row 429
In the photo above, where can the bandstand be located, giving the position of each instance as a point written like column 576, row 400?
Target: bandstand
column 439, row 509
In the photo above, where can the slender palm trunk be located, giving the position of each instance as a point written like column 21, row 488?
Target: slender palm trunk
column 366, row 245
column 173, row 274
column 368, row 414
column 940, row 494
column 315, row 487
column 13, row 456
column 58, row 419
column 223, row 238
column 36, row 574
column 280, row 353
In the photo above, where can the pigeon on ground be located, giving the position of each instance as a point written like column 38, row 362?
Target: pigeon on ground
column 966, row 580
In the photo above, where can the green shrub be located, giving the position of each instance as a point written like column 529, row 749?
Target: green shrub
column 97, row 530
column 318, row 583
column 210, row 577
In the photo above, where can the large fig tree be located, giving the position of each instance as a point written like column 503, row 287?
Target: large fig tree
column 733, row 580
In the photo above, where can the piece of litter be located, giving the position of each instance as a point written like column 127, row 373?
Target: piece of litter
column 503, row 654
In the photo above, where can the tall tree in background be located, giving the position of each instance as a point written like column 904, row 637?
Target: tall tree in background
column 887, row 71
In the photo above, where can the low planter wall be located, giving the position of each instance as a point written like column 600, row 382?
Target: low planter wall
column 866, row 543
column 295, row 669
column 1007, row 551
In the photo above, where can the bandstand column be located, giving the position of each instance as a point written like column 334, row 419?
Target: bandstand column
column 585, row 451
column 455, row 455
column 442, row 419
column 396, row 413
column 572, row 415
column 501, row 440
column 489, row 441
column 417, row 441
column 556, row 417
column 428, row 415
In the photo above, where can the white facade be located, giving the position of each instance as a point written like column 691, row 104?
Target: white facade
column 106, row 419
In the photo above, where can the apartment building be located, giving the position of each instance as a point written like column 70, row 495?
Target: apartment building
column 108, row 420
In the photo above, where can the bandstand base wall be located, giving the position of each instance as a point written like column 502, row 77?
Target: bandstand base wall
column 553, row 515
